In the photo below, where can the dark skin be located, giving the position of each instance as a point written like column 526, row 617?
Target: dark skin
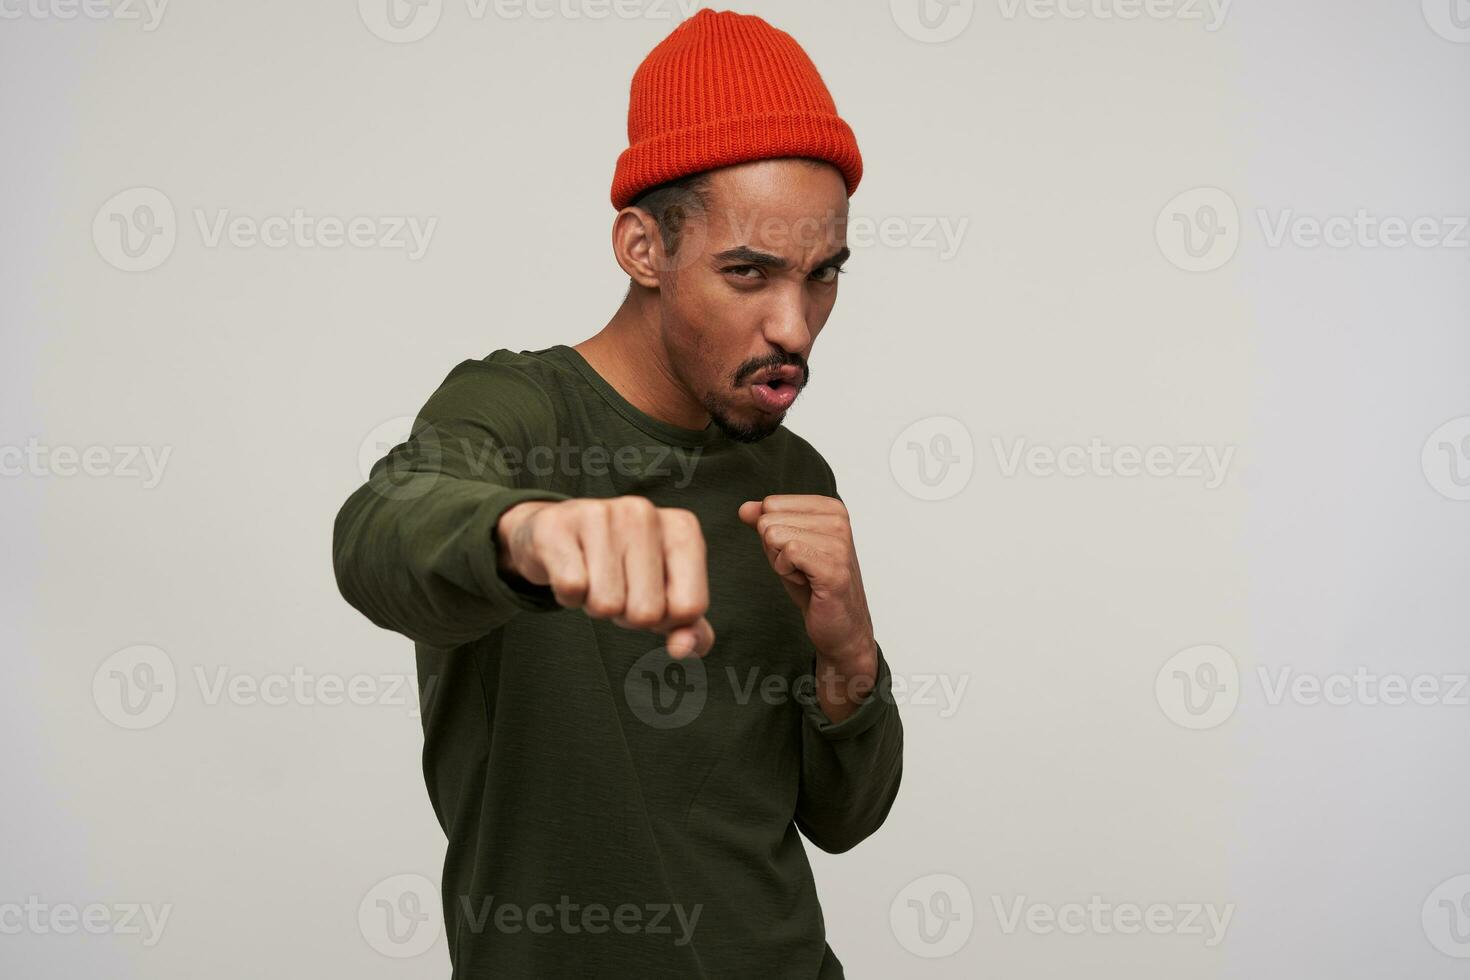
column 748, row 291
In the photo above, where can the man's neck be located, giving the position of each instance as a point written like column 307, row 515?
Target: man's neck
column 628, row 355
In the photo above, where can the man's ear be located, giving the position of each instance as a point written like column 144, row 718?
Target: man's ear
column 637, row 246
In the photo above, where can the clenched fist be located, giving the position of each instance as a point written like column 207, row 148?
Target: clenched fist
column 620, row 558
column 808, row 542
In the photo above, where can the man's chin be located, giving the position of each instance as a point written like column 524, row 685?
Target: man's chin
column 747, row 429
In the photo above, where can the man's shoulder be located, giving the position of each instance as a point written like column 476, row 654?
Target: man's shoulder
column 538, row 368
column 502, row 386
column 536, row 376
column 801, row 460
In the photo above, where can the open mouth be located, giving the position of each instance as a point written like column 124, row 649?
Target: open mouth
column 775, row 394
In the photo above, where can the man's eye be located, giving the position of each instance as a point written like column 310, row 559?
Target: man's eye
column 823, row 277
column 739, row 269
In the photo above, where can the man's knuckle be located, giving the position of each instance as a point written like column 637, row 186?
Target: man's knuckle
column 643, row 615
column 568, row 580
column 687, row 608
column 633, row 507
column 594, row 514
column 603, row 607
column 679, row 522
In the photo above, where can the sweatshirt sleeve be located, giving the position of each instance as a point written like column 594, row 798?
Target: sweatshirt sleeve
column 414, row 548
column 850, row 770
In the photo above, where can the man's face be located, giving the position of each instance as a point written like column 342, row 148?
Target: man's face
column 752, row 284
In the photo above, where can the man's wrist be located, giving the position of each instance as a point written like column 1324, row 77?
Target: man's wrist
column 508, row 533
column 856, row 658
column 845, row 679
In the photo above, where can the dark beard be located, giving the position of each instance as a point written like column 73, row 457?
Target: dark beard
column 753, row 433
column 735, row 430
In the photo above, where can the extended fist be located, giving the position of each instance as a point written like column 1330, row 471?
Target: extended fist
column 620, row 558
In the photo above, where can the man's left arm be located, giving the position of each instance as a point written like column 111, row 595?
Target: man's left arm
column 852, row 739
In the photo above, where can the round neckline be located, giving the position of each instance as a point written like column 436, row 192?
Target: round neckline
column 709, row 437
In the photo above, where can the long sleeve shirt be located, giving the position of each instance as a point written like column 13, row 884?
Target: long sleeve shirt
column 611, row 812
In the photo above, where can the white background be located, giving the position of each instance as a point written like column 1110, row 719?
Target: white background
column 1334, row 542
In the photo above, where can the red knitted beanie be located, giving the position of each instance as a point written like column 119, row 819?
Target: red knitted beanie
column 721, row 89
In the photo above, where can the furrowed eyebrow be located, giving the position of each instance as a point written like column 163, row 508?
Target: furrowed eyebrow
column 746, row 255
column 837, row 258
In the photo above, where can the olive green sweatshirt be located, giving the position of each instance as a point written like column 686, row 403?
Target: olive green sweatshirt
column 611, row 812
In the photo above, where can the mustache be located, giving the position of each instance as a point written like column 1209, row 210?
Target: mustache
column 780, row 359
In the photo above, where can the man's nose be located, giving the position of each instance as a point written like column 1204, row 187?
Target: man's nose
column 787, row 329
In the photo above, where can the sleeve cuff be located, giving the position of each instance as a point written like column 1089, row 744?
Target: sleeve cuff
column 875, row 706
column 485, row 561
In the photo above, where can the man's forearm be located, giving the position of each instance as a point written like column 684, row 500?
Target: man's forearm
column 843, row 682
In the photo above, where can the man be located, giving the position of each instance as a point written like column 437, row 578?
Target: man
column 641, row 632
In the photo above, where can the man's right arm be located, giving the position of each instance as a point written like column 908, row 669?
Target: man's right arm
column 444, row 544
column 414, row 548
